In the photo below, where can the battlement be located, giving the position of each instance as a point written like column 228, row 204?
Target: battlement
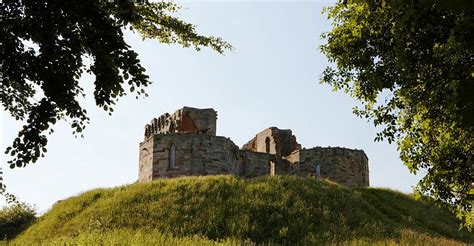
column 185, row 120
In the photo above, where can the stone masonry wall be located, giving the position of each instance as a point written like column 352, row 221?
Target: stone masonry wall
column 345, row 166
column 253, row 164
column 196, row 154
column 185, row 120
column 201, row 154
column 258, row 143
column 145, row 172
column 279, row 142
column 294, row 157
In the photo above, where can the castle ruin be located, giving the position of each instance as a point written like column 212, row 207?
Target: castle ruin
column 185, row 144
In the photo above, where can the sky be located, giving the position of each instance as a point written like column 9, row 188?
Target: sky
column 271, row 78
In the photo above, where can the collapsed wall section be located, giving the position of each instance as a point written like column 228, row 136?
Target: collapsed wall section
column 273, row 141
column 342, row 165
column 185, row 120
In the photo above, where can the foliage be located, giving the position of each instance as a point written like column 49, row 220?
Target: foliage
column 10, row 198
column 134, row 237
column 15, row 218
column 43, row 48
column 155, row 237
column 282, row 210
column 406, row 238
column 410, row 64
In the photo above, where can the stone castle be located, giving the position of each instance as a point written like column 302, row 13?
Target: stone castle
column 185, row 144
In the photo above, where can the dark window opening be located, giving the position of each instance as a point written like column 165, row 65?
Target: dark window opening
column 172, row 157
column 267, row 145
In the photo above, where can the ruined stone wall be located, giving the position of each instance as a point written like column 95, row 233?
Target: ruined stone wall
column 285, row 141
column 196, row 154
column 198, row 151
column 294, row 157
column 254, row 164
column 185, row 120
column 200, row 154
column 345, row 166
column 259, row 142
column 145, row 166
column 274, row 141
column 196, row 120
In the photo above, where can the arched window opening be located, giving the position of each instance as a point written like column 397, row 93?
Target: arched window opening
column 172, row 157
column 267, row 145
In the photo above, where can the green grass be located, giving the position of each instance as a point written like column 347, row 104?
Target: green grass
column 218, row 210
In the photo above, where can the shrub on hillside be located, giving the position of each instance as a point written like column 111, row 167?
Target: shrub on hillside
column 15, row 218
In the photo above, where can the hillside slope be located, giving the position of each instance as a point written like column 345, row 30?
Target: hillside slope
column 277, row 209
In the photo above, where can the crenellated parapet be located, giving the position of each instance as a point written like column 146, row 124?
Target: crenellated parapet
column 185, row 120
column 161, row 124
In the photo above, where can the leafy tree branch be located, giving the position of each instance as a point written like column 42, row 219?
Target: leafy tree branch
column 419, row 55
column 42, row 86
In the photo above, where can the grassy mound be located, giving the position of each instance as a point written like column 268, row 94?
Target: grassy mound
column 226, row 210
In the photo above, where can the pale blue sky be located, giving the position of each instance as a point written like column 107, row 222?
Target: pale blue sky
column 270, row 79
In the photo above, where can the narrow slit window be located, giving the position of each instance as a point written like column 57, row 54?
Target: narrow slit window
column 172, row 157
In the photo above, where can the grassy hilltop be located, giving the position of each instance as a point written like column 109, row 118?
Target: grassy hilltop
column 227, row 210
